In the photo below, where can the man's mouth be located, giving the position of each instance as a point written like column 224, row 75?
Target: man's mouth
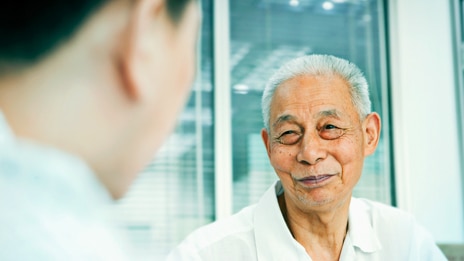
column 315, row 180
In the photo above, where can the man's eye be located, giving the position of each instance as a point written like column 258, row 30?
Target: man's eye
column 288, row 137
column 330, row 132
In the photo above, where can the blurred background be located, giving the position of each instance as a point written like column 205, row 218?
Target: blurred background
column 215, row 163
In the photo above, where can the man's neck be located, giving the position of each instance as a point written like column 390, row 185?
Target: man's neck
column 321, row 233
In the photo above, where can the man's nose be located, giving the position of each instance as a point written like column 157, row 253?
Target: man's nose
column 312, row 150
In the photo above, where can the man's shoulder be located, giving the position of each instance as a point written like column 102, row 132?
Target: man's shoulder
column 236, row 231
column 231, row 227
column 52, row 234
column 51, row 208
column 397, row 231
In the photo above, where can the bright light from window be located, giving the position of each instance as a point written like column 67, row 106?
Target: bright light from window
column 241, row 88
column 327, row 5
column 294, row 3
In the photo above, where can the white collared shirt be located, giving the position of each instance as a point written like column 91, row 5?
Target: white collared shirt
column 51, row 205
column 259, row 232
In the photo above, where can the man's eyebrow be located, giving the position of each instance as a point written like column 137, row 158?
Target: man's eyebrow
column 328, row 113
column 283, row 118
column 333, row 113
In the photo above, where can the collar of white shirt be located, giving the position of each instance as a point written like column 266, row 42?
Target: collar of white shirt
column 280, row 244
column 6, row 135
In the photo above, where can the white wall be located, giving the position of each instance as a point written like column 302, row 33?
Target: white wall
column 428, row 176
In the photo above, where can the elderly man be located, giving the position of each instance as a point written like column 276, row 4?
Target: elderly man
column 89, row 89
column 318, row 129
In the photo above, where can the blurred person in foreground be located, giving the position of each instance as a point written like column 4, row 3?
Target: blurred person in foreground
column 318, row 129
column 89, row 89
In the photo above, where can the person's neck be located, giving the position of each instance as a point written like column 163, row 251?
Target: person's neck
column 64, row 103
column 321, row 233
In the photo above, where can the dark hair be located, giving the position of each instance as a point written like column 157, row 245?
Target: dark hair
column 31, row 29
column 176, row 9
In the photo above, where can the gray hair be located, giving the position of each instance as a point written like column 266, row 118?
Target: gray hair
column 314, row 65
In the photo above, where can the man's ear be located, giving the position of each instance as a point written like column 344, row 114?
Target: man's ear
column 266, row 141
column 371, row 128
column 146, row 19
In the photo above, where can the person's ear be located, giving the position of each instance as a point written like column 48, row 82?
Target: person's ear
column 266, row 141
column 371, row 128
column 147, row 20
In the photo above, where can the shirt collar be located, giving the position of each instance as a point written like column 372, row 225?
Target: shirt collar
column 360, row 228
column 273, row 238
column 6, row 134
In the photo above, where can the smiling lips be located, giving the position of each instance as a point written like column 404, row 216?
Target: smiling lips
column 315, row 180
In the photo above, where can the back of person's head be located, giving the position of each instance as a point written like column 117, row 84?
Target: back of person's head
column 103, row 80
column 320, row 65
column 30, row 30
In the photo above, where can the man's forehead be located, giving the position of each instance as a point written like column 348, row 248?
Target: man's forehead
column 308, row 86
column 329, row 94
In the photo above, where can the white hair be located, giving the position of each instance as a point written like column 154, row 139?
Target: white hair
column 317, row 65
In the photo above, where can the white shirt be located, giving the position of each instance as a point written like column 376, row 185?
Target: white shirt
column 259, row 232
column 51, row 205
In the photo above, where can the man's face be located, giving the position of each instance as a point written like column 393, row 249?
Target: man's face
column 316, row 141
